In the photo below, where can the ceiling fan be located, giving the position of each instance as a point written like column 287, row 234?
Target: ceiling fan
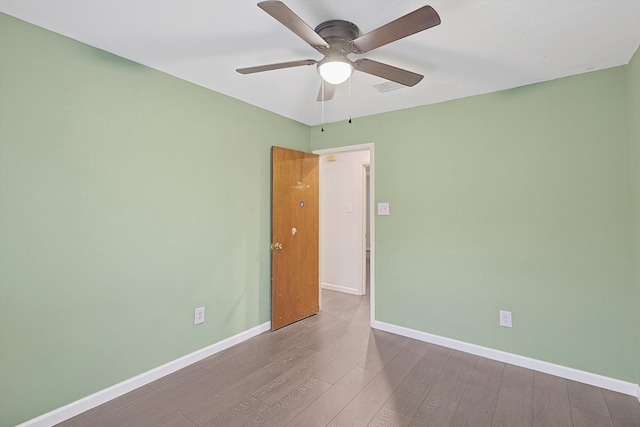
column 336, row 39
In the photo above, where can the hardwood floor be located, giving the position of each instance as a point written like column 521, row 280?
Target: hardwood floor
column 333, row 370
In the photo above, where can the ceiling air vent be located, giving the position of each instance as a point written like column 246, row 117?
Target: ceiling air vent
column 388, row 86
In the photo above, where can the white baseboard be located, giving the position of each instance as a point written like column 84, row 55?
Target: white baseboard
column 79, row 406
column 338, row 288
column 514, row 359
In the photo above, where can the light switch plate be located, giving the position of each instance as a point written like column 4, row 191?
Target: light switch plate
column 383, row 208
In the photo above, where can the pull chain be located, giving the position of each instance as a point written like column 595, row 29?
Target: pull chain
column 349, row 99
column 322, row 90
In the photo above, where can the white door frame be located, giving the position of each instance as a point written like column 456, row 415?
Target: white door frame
column 365, row 231
column 362, row 147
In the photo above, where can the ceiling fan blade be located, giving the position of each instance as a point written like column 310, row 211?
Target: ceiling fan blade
column 411, row 23
column 289, row 19
column 329, row 90
column 269, row 67
column 388, row 72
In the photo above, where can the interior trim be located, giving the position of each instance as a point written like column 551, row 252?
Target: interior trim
column 96, row 399
column 339, row 288
column 514, row 359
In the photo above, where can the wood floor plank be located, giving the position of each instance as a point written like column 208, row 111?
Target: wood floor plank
column 279, row 387
column 453, row 380
column 335, row 370
column 237, row 373
column 327, row 406
column 344, row 331
column 436, row 410
column 440, row 405
column 239, row 415
column 382, row 347
column 624, row 410
column 86, row 417
column 384, row 352
column 316, row 338
column 271, row 344
column 241, row 364
column 160, row 405
column 347, row 341
column 515, row 399
column 179, row 421
column 550, row 401
column 210, row 404
column 479, row 400
column 344, row 304
column 389, row 418
column 290, row 405
column 361, row 410
column 280, row 348
column 286, row 382
column 360, row 313
column 317, row 320
column 588, row 398
column 582, row 418
column 408, row 397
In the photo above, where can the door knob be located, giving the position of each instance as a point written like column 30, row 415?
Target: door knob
column 277, row 246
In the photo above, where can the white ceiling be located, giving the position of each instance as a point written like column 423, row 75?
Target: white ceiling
column 481, row 46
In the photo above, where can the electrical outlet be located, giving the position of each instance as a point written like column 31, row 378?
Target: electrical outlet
column 199, row 316
column 505, row 319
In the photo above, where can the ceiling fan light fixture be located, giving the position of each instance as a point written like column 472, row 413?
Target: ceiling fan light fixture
column 335, row 69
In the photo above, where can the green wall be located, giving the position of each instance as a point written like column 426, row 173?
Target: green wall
column 633, row 79
column 128, row 198
column 518, row 200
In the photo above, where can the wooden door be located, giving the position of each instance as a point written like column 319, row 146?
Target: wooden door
column 294, row 236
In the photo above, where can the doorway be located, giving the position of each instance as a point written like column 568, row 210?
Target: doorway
column 344, row 265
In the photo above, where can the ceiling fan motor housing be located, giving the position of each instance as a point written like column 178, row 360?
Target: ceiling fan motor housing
column 338, row 34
